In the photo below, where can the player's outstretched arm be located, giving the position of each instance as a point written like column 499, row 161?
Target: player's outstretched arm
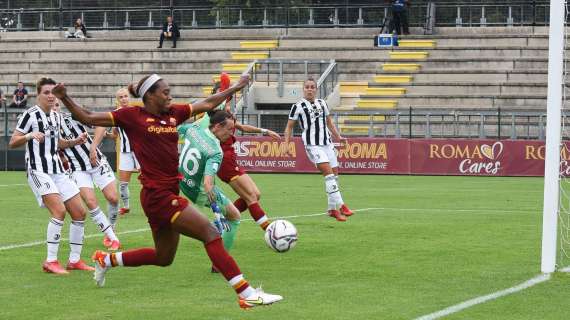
column 213, row 101
column 333, row 129
column 289, row 130
column 102, row 119
column 251, row 129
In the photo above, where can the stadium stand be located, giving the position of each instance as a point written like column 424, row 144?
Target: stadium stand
column 455, row 69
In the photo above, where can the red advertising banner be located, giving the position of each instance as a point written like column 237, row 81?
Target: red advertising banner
column 403, row 156
column 363, row 155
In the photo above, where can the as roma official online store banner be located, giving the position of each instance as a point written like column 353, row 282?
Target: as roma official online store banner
column 404, row 156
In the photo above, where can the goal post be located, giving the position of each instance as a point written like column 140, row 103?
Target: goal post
column 553, row 135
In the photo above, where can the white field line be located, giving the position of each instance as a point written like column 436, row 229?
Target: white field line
column 482, row 299
column 37, row 243
column 13, row 185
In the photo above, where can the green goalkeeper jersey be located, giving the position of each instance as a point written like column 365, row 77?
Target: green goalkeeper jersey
column 201, row 156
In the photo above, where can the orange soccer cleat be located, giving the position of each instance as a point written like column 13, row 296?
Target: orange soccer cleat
column 107, row 241
column 115, row 245
column 345, row 210
column 53, row 267
column 100, row 267
column 124, row 211
column 337, row 215
column 79, row 265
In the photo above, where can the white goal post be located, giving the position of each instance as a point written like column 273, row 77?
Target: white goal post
column 553, row 135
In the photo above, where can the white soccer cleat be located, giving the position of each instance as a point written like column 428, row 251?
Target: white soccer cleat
column 259, row 298
column 100, row 267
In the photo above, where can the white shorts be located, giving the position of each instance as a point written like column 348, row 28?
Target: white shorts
column 320, row 154
column 101, row 176
column 128, row 162
column 44, row 183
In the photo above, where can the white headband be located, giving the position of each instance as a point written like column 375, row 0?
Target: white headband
column 148, row 83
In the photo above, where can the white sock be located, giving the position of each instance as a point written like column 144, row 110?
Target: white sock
column 118, row 257
column 101, row 221
column 76, row 231
column 333, row 193
column 113, row 212
column 124, row 191
column 245, row 293
column 52, row 238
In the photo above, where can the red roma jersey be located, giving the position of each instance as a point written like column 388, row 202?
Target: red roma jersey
column 154, row 140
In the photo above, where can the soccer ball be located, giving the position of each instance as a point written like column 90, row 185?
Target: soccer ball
column 281, row 235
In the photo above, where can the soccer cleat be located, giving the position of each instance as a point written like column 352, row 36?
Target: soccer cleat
column 345, row 210
column 259, row 298
column 100, row 267
column 124, row 211
column 115, row 245
column 337, row 215
column 79, row 265
column 53, row 267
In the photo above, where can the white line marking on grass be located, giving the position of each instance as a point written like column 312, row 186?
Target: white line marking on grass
column 13, row 185
column 37, row 243
column 482, row 299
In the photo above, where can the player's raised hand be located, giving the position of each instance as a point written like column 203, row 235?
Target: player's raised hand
column 243, row 81
column 59, row 91
column 273, row 134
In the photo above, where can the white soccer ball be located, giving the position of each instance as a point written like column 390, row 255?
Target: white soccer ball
column 281, row 235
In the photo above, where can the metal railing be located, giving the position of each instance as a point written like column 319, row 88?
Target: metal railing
column 433, row 123
column 282, row 71
column 150, row 17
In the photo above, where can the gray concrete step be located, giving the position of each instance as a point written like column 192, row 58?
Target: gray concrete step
column 469, row 88
column 458, row 101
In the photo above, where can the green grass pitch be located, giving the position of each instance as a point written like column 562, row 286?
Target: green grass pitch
column 419, row 245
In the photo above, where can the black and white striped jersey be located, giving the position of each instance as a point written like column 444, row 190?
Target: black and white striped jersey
column 125, row 145
column 41, row 156
column 312, row 118
column 78, row 155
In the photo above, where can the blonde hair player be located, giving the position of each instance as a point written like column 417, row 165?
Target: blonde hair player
column 316, row 122
column 128, row 163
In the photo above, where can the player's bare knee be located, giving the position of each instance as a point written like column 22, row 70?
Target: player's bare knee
column 91, row 203
column 113, row 200
column 233, row 214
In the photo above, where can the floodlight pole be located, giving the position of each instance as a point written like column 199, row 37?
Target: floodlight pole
column 553, row 118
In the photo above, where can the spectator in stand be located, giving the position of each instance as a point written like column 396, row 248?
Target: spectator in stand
column 20, row 97
column 400, row 17
column 169, row 31
column 80, row 30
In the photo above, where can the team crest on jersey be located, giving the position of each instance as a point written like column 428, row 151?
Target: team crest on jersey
column 172, row 121
column 174, row 203
column 149, row 120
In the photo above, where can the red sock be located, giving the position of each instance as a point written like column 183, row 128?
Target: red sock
column 140, row 257
column 259, row 215
column 240, row 204
column 221, row 259
column 256, row 211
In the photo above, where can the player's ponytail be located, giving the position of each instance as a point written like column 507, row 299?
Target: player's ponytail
column 133, row 90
